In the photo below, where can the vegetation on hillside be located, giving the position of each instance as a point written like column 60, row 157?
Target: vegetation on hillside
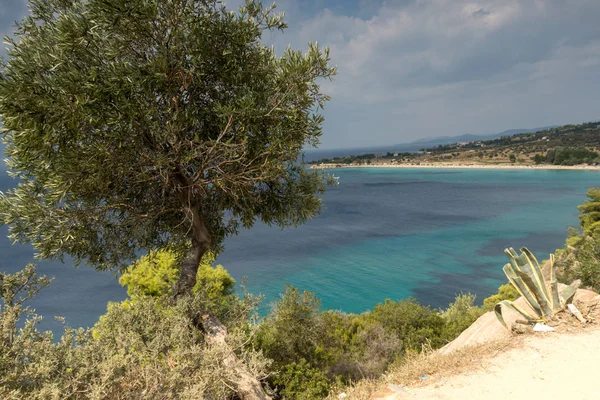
column 564, row 145
column 137, row 125
column 580, row 259
column 148, row 346
column 163, row 127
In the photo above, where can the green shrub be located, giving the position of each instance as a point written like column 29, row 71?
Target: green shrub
column 460, row 315
column 343, row 347
column 291, row 330
column 580, row 259
column 588, row 269
column 152, row 275
column 155, row 274
column 414, row 324
column 298, row 380
column 581, row 262
column 589, row 218
column 148, row 347
column 505, row 292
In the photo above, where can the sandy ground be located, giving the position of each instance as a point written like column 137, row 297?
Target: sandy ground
column 459, row 166
column 547, row 366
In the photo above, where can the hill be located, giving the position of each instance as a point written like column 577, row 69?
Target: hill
column 530, row 147
column 436, row 141
column 562, row 145
column 409, row 147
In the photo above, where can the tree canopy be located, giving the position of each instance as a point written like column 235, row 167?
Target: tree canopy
column 140, row 124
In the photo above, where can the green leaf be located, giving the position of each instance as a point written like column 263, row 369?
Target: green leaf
column 510, row 305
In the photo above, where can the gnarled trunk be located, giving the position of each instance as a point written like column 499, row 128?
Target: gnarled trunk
column 200, row 244
column 189, row 268
column 247, row 386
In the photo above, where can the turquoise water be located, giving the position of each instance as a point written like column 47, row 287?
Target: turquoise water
column 383, row 233
column 429, row 234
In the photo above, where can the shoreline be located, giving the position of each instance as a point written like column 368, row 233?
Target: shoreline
column 460, row 166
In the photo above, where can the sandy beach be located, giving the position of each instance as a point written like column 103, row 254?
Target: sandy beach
column 458, row 166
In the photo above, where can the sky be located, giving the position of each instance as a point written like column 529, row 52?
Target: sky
column 414, row 69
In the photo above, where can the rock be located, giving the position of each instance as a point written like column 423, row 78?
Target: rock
column 392, row 392
column 586, row 296
column 487, row 328
column 539, row 327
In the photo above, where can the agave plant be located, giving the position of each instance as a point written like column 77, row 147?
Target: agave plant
column 542, row 295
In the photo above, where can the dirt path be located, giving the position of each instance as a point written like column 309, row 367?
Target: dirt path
column 547, row 366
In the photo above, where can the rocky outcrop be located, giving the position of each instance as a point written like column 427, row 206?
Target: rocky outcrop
column 487, row 328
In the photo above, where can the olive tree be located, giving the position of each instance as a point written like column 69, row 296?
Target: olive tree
column 145, row 124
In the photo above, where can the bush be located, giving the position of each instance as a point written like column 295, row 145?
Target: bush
column 589, row 218
column 505, row 292
column 570, row 156
column 580, row 259
column 150, row 347
column 155, row 274
column 343, row 347
column 588, row 269
column 291, row 330
column 303, row 382
column 147, row 347
column 460, row 315
column 581, row 262
column 415, row 325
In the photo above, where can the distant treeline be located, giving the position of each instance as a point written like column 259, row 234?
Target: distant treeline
column 567, row 156
column 364, row 158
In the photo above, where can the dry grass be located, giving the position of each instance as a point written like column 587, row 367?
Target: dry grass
column 431, row 364
column 437, row 367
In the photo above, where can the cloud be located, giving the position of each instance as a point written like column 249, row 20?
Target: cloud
column 420, row 68
column 426, row 68
column 10, row 11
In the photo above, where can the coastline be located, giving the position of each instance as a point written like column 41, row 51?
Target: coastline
column 459, row 166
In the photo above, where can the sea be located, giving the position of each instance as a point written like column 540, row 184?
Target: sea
column 383, row 233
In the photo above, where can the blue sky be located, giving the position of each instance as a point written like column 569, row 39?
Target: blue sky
column 410, row 69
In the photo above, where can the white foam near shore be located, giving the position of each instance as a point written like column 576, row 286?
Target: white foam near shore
column 459, row 166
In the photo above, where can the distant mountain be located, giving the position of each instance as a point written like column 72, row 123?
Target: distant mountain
column 317, row 154
column 430, row 142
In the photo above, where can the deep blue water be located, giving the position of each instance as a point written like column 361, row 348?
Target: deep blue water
column 383, row 233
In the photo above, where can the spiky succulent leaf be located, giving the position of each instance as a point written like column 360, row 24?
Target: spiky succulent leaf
column 567, row 294
column 512, row 306
column 521, row 287
column 537, row 272
column 525, row 274
column 557, row 304
column 536, row 292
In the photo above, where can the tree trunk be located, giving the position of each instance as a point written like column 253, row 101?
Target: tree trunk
column 246, row 385
column 200, row 245
column 189, row 269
